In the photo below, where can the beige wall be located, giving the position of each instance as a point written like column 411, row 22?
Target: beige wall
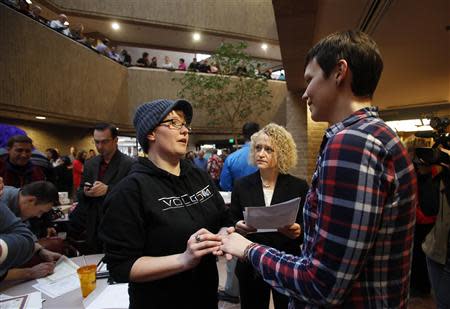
column 46, row 135
column 413, row 41
column 316, row 130
column 416, row 54
column 296, row 124
column 255, row 18
column 149, row 84
column 46, row 73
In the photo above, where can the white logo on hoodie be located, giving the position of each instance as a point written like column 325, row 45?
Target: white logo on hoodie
column 173, row 202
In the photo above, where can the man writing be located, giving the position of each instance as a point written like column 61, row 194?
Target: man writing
column 100, row 174
column 32, row 201
column 16, row 240
column 359, row 213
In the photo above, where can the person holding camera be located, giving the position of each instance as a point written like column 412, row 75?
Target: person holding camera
column 437, row 243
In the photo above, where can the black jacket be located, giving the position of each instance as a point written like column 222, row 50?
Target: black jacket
column 87, row 215
column 248, row 192
column 153, row 213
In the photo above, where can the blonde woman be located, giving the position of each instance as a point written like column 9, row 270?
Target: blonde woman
column 273, row 152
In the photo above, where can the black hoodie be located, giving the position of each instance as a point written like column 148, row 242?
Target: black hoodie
column 153, row 213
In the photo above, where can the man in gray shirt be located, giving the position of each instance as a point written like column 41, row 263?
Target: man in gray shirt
column 16, row 240
column 33, row 200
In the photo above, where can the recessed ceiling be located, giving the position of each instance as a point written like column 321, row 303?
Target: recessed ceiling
column 144, row 34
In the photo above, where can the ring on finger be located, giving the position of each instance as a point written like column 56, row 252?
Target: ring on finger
column 197, row 238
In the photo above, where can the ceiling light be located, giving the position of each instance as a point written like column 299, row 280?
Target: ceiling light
column 196, row 36
column 410, row 125
column 29, row 1
column 115, row 26
column 41, row 117
column 264, row 46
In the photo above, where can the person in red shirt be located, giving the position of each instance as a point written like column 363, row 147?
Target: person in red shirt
column 78, row 167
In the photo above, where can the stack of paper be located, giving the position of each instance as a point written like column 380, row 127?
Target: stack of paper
column 113, row 296
column 273, row 217
column 63, row 280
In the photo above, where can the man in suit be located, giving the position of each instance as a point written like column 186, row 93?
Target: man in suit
column 100, row 174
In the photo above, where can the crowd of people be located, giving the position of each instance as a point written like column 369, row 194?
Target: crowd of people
column 161, row 221
column 103, row 45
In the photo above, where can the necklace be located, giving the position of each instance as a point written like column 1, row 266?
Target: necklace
column 264, row 184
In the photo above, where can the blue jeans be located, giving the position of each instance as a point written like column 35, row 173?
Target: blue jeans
column 440, row 282
column 232, row 283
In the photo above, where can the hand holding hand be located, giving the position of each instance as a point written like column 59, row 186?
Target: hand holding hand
column 41, row 270
column 223, row 232
column 234, row 244
column 243, row 228
column 98, row 189
column 292, row 231
column 200, row 243
column 49, row 256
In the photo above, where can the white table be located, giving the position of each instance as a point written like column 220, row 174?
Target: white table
column 71, row 300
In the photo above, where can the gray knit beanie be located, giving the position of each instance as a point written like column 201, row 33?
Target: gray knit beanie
column 150, row 114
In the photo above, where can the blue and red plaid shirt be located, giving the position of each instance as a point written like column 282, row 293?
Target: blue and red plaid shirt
column 359, row 218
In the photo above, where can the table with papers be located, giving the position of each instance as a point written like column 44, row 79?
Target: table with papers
column 71, row 297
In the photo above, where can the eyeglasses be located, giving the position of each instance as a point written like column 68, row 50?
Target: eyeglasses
column 103, row 142
column 267, row 149
column 174, row 124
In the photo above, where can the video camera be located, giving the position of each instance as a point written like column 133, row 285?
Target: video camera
column 441, row 136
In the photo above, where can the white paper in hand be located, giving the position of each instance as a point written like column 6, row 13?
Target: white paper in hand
column 273, row 217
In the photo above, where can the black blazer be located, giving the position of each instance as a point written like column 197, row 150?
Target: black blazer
column 89, row 212
column 248, row 191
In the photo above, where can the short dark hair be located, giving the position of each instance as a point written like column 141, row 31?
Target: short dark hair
column 44, row 191
column 53, row 152
column 249, row 129
column 361, row 53
column 107, row 126
column 182, row 60
column 19, row 139
column 145, row 54
column 80, row 155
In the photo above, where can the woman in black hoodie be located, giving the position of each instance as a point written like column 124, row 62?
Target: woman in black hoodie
column 162, row 221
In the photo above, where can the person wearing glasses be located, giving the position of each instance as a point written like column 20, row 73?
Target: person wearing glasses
column 100, row 175
column 163, row 221
column 274, row 153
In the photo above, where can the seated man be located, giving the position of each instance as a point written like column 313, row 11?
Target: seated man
column 32, row 201
column 60, row 24
column 16, row 241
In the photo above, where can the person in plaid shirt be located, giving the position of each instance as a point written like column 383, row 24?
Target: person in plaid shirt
column 359, row 213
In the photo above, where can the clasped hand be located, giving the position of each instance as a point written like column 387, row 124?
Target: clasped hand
column 228, row 242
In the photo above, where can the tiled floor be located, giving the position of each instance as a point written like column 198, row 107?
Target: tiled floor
column 414, row 303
